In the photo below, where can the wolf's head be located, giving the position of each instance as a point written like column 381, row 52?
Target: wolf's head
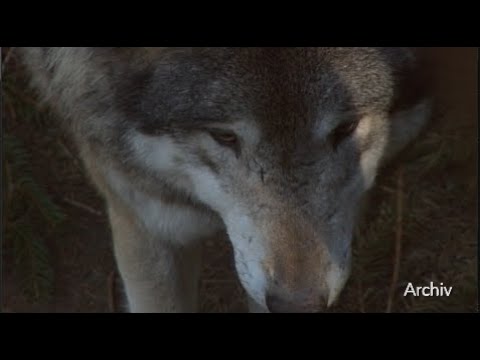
column 282, row 143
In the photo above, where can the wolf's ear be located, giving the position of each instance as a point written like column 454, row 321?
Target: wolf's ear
column 413, row 98
column 405, row 125
column 413, row 79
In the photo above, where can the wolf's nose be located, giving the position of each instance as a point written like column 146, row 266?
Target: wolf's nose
column 295, row 304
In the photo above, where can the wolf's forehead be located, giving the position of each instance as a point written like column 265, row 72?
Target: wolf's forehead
column 280, row 88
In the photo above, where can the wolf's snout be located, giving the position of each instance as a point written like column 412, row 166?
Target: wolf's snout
column 308, row 302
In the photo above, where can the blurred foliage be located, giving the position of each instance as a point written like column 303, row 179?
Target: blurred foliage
column 30, row 213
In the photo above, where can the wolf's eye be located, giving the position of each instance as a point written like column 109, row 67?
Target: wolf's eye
column 224, row 138
column 342, row 132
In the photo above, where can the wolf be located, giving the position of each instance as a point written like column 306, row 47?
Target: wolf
column 277, row 147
